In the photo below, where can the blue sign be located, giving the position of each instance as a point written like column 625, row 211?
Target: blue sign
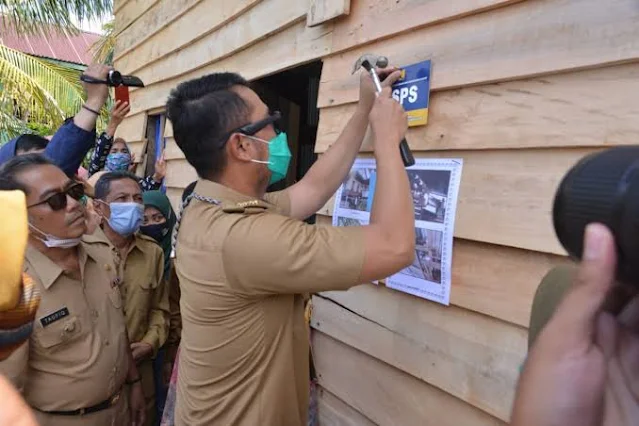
column 412, row 90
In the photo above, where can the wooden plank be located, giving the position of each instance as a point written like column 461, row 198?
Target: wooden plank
column 172, row 151
column 173, row 35
column 133, row 128
column 371, row 20
column 179, row 173
column 130, row 12
column 526, row 39
column 493, row 280
column 396, row 18
column 506, row 196
column 153, row 21
column 387, row 395
column 321, row 11
column 168, row 128
column 175, row 197
column 117, row 5
column 293, row 46
column 470, row 356
column 239, row 33
column 137, row 149
column 332, row 411
column 498, row 281
column 587, row 108
column 433, row 12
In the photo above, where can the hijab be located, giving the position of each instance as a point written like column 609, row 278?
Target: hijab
column 161, row 202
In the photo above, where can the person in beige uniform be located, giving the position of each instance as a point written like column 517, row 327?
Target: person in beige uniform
column 245, row 258
column 75, row 367
column 140, row 261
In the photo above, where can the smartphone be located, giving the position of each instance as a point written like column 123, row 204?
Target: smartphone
column 122, row 93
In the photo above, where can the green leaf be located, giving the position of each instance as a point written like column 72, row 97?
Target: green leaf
column 33, row 16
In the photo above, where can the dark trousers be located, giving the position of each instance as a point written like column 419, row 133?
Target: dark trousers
column 160, row 389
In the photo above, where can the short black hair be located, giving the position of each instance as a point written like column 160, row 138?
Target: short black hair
column 17, row 165
column 202, row 111
column 103, row 185
column 29, row 142
column 188, row 190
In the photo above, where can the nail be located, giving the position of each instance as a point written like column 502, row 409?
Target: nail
column 594, row 242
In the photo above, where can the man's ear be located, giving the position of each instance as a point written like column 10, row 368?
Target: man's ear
column 101, row 208
column 238, row 147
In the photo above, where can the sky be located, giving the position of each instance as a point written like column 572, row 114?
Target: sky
column 93, row 26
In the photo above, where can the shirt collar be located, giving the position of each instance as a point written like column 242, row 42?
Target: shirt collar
column 48, row 271
column 227, row 196
column 99, row 236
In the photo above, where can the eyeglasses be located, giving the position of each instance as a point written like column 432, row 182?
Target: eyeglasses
column 252, row 128
column 58, row 201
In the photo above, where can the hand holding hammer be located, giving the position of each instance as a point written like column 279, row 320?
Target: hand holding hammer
column 369, row 62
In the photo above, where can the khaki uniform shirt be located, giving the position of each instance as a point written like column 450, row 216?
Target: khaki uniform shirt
column 243, row 267
column 146, row 300
column 78, row 354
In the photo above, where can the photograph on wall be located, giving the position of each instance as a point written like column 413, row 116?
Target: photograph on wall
column 434, row 185
column 347, row 221
column 429, row 189
column 354, row 198
column 428, row 256
column 356, row 194
column 434, row 188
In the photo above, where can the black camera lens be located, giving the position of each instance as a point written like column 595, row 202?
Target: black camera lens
column 603, row 187
column 114, row 78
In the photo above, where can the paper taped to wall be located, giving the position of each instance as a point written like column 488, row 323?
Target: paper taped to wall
column 435, row 188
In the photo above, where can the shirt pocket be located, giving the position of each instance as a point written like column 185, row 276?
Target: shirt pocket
column 146, row 285
column 60, row 332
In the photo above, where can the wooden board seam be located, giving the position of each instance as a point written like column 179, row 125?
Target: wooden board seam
column 150, row 5
column 354, row 312
column 119, row 5
column 440, row 21
column 368, row 335
column 166, row 24
column 155, row 31
column 222, row 57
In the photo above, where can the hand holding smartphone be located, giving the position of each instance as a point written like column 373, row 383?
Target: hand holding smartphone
column 122, row 93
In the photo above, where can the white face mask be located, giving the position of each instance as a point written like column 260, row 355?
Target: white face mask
column 52, row 241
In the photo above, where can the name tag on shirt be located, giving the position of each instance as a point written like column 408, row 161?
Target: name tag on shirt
column 51, row 318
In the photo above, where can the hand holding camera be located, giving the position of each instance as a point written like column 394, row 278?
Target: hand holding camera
column 97, row 94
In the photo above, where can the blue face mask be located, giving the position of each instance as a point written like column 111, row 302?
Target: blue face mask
column 279, row 157
column 126, row 218
column 118, row 162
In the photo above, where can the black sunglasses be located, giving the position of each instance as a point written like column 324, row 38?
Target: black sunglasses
column 252, row 128
column 58, row 201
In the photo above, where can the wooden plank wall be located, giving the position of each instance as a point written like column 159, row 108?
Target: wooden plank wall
column 521, row 90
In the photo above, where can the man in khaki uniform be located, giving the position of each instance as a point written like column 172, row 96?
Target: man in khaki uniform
column 245, row 258
column 140, row 261
column 74, row 367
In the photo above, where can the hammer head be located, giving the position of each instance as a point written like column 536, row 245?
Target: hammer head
column 368, row 61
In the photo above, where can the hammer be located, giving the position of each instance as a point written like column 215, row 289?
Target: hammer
column 369, row 61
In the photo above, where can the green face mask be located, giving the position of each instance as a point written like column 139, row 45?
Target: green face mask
column 279, row 157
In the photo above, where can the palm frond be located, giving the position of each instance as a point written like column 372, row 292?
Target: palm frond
column 38, row 90
column 10, row 125
column 104, row 48
column 32, row 16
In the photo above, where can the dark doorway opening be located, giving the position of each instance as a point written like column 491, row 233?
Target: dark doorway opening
column 294, row 93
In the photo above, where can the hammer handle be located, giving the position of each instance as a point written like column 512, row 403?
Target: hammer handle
column 404, row 149
column 407, row 154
